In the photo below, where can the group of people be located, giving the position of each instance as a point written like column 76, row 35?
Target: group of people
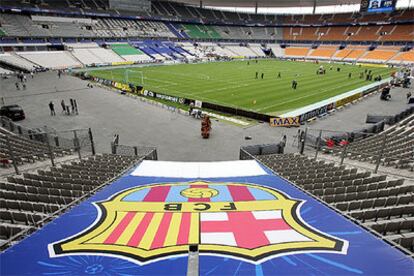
column 257, row 75
column 22, row 80
column 369, row 76
column 66, row 109
column 279, row 75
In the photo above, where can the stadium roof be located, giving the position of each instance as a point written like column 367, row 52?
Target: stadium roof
column 269, row 3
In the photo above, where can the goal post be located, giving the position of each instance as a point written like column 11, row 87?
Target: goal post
column 131, row 73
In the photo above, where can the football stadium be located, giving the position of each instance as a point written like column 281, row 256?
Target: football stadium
column 208, row 137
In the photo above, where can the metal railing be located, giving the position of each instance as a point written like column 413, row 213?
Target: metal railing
column 31, row 145
column 386, row 149
column 149, row 153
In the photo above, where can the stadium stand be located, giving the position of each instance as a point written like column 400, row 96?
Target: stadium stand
column 351, row 53
column 198, row 31
column 51, row 59
column 130, row 53
column 380, row 54
column 403, row 57
column 323, row 52
column 276, row 50
column 25, row 150
column 257, row 49
column 400, row 33
column 241, row 51
column 194, row 50
column 18, row 62
column 61, row 34
column 350, row 33
column 148, row 48
column 398, row 150
column 21, row 26
column 335, row 33
column 133, row 28
column 63, row 26
column 25, row 31
column 385, row 206
column 4, row 71
column 27, row 201
column 91, row 53
column 296, row 51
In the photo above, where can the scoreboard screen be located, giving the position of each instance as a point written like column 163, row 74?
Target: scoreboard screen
column 378, row 5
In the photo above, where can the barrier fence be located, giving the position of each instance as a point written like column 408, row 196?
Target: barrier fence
column 392, row 148
column 149, row 153
column 384, row 149
column 30, row 145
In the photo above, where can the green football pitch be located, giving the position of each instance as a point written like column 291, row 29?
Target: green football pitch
column 234, row 83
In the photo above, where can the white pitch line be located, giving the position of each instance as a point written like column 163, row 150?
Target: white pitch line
column 164, row 81
column 220, row 89
column 303, row 97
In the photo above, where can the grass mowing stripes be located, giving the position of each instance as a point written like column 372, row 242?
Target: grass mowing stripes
column 234, row 83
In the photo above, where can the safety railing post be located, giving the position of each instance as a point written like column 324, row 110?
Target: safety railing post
column 344, row 152
column 76, row 143
column 303, row 141
column 11, row 154
column 91, row 140
column 318, row 142
column 113, row 148
column 50, row 149
column 384, row 142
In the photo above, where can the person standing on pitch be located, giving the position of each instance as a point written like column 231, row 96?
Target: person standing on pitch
column 72, row 105
column 262, row 75
column 75, row 103
column 62, row 104
column 257, row 74
column 349, row 75
column 279, row 75
column 52, row 109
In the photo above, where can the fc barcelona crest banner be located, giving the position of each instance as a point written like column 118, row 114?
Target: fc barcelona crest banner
column 241, row 218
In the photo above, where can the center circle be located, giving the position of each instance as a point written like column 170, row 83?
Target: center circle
column 201, row 192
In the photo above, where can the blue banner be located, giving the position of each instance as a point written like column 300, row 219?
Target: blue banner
column 248, row 225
